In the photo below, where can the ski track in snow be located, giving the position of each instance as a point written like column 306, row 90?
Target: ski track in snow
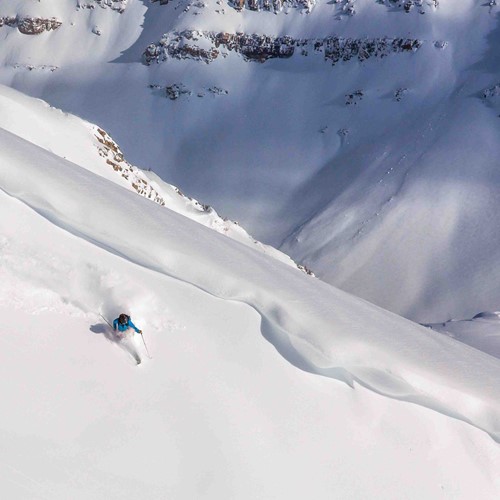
column 314, row 326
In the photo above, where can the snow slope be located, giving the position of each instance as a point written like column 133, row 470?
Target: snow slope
column 391, row 189
column 217, row 413
column 481, row 332
column 92, row 148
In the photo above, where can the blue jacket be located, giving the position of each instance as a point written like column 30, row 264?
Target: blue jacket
column 122, row 328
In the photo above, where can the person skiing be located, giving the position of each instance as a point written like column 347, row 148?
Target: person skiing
column 123, row 323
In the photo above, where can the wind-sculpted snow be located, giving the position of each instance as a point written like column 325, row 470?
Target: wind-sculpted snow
column 93, row 148
column 481, row 332
column 338, row 166
column 313, row 325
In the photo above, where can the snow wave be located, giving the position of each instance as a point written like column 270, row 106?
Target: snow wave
column 313, row 325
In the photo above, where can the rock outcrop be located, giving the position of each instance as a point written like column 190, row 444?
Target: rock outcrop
column 8, row 21
column 109, row 150
column 31, row 25
column 255, row 47
column 176, row 90
column 408, row 5
column 491, row 92
column 343, row 49
column 206, row 46
column 272, row 5
column 116, row 5
column 187, row 44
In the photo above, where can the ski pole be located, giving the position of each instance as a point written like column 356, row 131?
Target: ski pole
column 149, row 356
column 106, row 320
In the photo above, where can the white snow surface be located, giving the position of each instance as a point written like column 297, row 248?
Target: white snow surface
column 90, row 147
column 264, row 383
column 481, row 332
column 393, row 198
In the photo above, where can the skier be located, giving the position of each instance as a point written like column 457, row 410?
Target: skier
column 123, row 323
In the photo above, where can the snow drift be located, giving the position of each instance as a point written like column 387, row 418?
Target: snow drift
column 217, row 413
column 313, row 325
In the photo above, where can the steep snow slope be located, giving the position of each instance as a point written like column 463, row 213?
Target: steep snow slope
column 314, row 325
column 92, row 148
column 481, row 332
column 376, row 171
column 217, row 413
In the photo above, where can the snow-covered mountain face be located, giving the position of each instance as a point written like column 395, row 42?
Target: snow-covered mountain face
column 265, row 382
column 90, row 147
column 360, row 137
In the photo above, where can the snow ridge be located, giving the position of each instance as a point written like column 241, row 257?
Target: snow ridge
column 79, row 141
column 313, row 325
